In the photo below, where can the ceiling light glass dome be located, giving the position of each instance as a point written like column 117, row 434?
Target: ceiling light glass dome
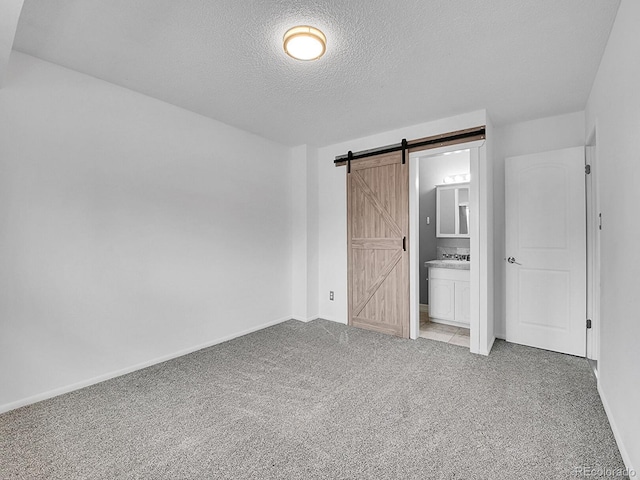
column 305, row 43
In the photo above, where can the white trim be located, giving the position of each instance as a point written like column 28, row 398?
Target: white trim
column 451, row 323
column 490, row 346
column 482, row 244
column 626, row 458
column 593, row 247
column 107, row 376
column 478, row 258
column 305, row 320
column 414, row 253
column 343, row 321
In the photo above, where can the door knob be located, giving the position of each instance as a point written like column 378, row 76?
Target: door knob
column 513, row 260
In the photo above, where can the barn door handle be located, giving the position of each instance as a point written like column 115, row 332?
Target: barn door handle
column 404, row 244
column 513, row 260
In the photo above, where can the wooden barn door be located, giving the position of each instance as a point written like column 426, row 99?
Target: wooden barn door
column 378, row 256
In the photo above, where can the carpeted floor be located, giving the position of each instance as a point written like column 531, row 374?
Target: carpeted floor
column 322, row 400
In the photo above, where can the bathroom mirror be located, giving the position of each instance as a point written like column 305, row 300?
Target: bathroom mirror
column 446, row 212
column 452, row 210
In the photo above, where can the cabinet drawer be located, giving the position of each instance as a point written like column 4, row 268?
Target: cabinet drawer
column 449, row 274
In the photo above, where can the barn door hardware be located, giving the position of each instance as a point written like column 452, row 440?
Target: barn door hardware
column 436, row 141
column 404, row 150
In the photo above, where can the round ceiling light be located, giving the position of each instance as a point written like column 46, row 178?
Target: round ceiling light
column 305, row 43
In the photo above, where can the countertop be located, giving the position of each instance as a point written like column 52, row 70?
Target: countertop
column 453, row 264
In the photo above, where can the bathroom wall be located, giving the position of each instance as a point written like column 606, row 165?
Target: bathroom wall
column 452, row 246
column 432, row 172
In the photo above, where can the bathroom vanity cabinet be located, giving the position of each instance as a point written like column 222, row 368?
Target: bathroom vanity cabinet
column 449, row 296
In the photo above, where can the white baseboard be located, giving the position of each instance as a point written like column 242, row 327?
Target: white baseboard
column 451, row 323
column 101, row 378
column 616, row 433
column 305, row 320
column 333, row 319
column 489, row 346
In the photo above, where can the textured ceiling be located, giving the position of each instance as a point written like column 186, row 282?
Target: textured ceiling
column 388, row 63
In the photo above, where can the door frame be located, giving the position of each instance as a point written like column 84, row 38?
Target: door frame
column 592, row 200
column 579, row 341
column 481, row 329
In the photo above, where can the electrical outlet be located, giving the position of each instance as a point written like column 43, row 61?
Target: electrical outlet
column 331, row 295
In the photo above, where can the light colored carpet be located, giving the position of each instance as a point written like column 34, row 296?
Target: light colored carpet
column 322, row 400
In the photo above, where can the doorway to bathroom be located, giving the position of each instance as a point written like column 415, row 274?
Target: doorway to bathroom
column 447, row 297
column 445, row 248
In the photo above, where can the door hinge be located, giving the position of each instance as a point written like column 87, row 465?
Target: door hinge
column 404, row 244
column 588, row 323
column 587, row 169
column 599, row 221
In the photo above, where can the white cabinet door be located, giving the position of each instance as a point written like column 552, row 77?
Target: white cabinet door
column 463, row 300
column 442, row 299
column 452, row 210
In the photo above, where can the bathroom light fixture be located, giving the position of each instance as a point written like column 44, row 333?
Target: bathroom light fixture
column 304, row 43
column 457, row 178
column 454, row 153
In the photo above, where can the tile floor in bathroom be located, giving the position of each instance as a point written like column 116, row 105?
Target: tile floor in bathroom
column 443, row 333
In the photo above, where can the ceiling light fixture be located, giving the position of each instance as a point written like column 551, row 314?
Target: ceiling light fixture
column 305, row 43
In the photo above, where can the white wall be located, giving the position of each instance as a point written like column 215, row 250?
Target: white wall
column 299, row 232
column 332, row 246
column 304, row 248
column 130, row 230
column 313, row 235
column 541, row 135
column 614, row 111
column 9, row 15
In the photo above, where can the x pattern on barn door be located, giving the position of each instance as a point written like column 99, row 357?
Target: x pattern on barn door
column 378, row 258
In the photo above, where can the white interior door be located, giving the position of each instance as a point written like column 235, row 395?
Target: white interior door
column 546, row 250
